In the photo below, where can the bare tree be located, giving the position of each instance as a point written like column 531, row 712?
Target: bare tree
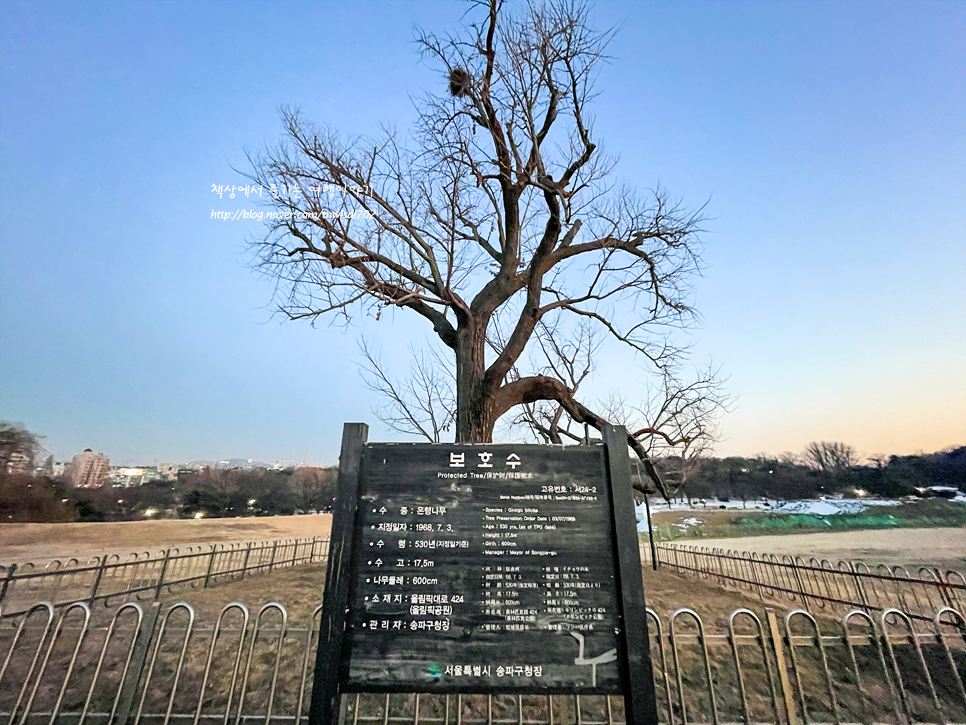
column 681, row 467
column 565, row 355
column 313, row 488
column 830, row 457
column 221, row 489
column 423, row 403
column 681, row 419
column 675, row 423
column 498, row 214
column 18, row 448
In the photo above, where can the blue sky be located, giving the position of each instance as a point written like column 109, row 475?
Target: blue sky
column 828, row 138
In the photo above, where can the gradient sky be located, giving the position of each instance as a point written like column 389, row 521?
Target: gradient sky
column 828, row 138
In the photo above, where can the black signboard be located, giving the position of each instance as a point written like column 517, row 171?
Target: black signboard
column 483, row 568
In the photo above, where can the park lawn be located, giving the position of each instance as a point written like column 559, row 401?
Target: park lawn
column 740, row 523
column 942, row 548
column 42, row 542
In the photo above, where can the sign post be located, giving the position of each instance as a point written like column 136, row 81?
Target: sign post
column 324, row 706
column 481, row 569
column 640, row 701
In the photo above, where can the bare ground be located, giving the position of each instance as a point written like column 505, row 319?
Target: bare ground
column 41, row 542
column 944, row 548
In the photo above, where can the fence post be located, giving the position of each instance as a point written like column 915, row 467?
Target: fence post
column 801, row 584
column 211, row 563
column 722, row 577
column 756, row 578
column 295, row 552
column 129, row 688
column 944, row 593
column 248, row 553
column 315, row 540
column 779, row 652
column 650, row 533
column 271, row 561
column 858, row 585
column 164, row 569
column 97, row 581
column 6, row 581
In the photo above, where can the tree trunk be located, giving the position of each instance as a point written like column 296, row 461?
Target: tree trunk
column 474, row 417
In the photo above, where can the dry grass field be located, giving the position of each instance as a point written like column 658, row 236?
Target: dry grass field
column 912, row 548
column 944, row 547
column 300, row 590
column 41, row 542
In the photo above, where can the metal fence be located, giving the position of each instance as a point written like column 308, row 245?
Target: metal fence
column 817, row 585
column 134, row 665
column 143, row 575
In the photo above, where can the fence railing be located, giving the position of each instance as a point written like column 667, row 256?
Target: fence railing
column 817, row 585
column 146, row 575
column 143, row 664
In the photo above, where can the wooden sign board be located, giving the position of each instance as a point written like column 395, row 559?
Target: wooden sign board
column 481, row 569
column 485, row 568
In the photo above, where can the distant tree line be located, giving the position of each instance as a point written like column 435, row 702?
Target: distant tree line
column 822, row 469
column 32, row 494
column 206, row 493
column 258, row 492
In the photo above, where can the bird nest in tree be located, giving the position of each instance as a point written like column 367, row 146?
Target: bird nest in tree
column 460, row 82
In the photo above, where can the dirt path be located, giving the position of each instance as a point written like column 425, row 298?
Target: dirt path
column 944, row 548
column 42, row 542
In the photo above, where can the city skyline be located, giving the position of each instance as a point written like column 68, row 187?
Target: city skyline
column 827, row 140
column 241, row 461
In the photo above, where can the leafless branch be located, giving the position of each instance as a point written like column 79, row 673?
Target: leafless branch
column 422, row 404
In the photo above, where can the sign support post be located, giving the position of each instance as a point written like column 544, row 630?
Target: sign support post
column 326, row 694
column 640, row 701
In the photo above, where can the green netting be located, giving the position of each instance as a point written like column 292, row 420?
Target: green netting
column 839, row 521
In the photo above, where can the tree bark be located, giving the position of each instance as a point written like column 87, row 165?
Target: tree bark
column 474, row 414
